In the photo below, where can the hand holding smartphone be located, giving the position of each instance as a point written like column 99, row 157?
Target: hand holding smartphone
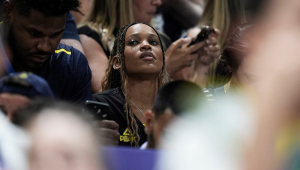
column 203, row 35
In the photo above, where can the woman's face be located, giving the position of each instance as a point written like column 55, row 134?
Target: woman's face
column 142, row 52
column 143, row 10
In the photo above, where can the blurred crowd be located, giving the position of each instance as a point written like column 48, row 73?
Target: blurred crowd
column 157, row 84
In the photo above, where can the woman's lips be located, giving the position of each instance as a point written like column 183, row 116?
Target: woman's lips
column 147, row 56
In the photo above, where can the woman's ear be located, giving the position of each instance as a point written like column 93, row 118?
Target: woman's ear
column 116, row 63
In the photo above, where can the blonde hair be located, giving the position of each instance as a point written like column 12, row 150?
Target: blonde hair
column 106, row 15
column 224, row 15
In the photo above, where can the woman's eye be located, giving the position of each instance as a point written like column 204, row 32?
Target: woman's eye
column 154, row 42
column 133, row 42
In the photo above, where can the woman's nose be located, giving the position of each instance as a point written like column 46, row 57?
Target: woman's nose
column 145, row 46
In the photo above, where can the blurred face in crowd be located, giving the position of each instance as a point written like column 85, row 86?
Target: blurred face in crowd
column 143, row 10
column 10, row 103
column 62, row 142
column 155, row 126
column 143, row 51
column 34, row 38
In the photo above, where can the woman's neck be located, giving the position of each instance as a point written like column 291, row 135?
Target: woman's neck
column 142, row 93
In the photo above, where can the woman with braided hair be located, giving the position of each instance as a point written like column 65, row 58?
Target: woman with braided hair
column 135, row 73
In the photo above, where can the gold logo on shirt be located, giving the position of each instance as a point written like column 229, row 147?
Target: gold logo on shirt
column 126, row 136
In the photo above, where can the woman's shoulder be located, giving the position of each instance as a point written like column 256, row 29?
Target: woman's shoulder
column 88, row 31
column 114, row 94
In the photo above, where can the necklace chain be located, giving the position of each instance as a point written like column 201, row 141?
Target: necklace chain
column 135, row 106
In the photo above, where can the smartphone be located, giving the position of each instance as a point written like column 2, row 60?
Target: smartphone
column 203, row 35
column 99, row 110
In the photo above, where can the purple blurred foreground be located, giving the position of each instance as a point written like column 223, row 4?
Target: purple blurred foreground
column 127, row 158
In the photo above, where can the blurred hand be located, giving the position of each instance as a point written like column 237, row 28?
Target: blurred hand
column 179, row 56
column 109, row 132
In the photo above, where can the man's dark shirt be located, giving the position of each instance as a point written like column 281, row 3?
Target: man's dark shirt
column 68, row 74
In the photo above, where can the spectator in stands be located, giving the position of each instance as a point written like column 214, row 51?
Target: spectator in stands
column 172, row 100
column 136, row 71
column 30, row 34
column 100, row 26
column 18, row 89
column 224, row 16
column 62, row 137
column 98, row 30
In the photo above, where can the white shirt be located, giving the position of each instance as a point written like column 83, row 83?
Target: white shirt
column 144, row 146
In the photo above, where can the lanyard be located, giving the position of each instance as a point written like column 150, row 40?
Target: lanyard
column 7, row 65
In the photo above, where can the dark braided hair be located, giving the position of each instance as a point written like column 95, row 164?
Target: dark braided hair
column 118, row 78
column 235, row 49
column 47, row 7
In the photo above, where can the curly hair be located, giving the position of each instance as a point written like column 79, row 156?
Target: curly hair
column 47, row 7
column 118, row 78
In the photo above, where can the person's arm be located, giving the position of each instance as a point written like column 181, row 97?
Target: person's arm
column 188, row 12
column 97, row 59
column 74, row 43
